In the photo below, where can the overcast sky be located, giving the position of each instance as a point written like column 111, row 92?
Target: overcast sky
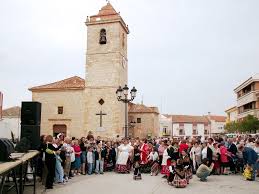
column 185, row 56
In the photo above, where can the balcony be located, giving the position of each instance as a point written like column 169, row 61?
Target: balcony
column 247, row 98
column 254, row 112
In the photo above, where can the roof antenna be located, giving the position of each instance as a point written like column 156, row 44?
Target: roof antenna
column 142, row 100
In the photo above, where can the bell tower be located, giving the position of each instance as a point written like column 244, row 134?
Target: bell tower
column 106, row 69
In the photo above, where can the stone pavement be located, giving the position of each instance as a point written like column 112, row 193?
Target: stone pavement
column 112, row 183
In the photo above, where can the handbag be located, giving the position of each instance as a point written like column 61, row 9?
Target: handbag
column 247, row 173
column 73, row 157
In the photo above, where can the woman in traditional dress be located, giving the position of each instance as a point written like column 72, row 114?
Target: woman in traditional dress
column 165, row 162
column 144, row 151
column 154, row 161
column 124, row 153
column 187, row 165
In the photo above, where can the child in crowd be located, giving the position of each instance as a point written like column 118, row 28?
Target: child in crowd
column 170, row 178
column 153, row 158
column 136, row 163
column 180, row 175
column 187, row 165
column 90, row 160
column 100, row 155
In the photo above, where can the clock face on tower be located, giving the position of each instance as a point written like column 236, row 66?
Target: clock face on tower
column 124, row 62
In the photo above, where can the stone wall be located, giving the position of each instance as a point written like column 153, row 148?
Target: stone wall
column 73, row 115
column 112, row 122
column 149, row 124
column 106, row 70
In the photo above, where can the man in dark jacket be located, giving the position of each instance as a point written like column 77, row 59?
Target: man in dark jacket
column 250, row 157
column 232, row 148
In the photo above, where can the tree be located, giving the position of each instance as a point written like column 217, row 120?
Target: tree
column 249, row 124
column 232, row 127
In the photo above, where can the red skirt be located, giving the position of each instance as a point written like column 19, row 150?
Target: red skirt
column 165, row 170
column 217, row 164
column 120, row 168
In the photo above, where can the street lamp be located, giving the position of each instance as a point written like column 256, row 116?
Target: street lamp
column 122, row 95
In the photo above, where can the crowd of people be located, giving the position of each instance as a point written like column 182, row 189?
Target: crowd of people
column 177, row 160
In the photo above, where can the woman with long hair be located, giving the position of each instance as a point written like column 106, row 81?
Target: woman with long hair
column 50, row 161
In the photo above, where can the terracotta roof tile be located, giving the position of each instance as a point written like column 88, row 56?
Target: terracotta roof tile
column 72, row 83
column 188, row 119
column 107, row 14
column 218, row 118
column 107, row 10
column 140, row 108
column 12, row 112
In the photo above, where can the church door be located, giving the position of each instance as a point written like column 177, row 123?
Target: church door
column 59, row 129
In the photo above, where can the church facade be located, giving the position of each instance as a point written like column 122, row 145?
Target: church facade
column 75, row 106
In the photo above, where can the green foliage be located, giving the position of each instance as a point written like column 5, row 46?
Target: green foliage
column 249, row 124
column 232, row 127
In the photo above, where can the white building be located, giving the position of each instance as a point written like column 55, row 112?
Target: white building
column 248, row 97
column 165, row 126
column 190, row 126
column 217, row 124
column 10, row 122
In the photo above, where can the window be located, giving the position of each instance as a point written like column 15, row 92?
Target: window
column 123, row 40
column 138, row 120
column 60, row 110
column 249, row 106
column 247, row 89
column 102, row 36
column 164, row 130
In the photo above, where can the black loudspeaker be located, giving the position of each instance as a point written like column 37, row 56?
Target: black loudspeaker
column 6, row 148
column 32, row 133
column 31, row 113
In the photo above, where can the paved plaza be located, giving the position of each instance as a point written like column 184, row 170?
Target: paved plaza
column 111, row 183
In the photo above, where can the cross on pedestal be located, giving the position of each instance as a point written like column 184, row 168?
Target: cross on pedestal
column 101, row 114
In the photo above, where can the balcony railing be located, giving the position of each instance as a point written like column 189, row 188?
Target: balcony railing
column 247, row 98
column 249, row 112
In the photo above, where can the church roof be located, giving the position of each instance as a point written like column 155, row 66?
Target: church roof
column 107, row 10
column 12, row 112
column 72, row 83
column 140, row 108
column 107, row 14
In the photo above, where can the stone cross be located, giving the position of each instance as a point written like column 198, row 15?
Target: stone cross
column 101, row 114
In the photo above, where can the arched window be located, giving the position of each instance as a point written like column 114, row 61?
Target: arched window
column 103, row 36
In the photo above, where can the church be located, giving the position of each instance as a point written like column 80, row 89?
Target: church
column 75, row 106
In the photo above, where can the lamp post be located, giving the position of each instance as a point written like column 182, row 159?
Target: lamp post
column 122, row 95
column 209, row 124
